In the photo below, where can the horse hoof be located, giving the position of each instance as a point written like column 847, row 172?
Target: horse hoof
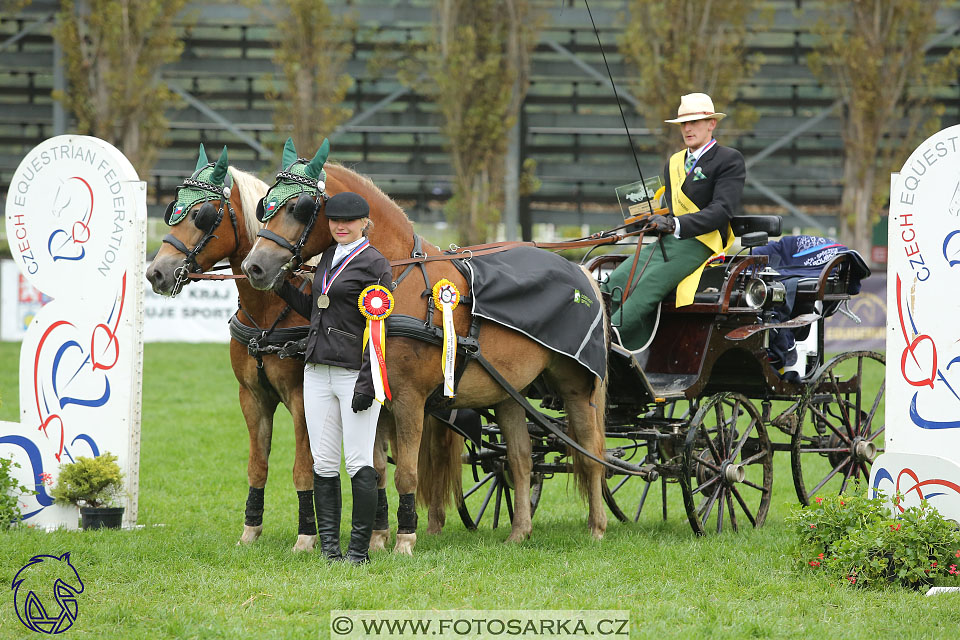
column 597, row 534
column 405, row 543
column 517, row 538
column 304, row 543
column 379, row 539
column 250, row 534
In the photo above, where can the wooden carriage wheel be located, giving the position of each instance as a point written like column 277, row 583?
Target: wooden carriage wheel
column 627, row 495
column 840, row 425
column 492, row 491
column 728, row 465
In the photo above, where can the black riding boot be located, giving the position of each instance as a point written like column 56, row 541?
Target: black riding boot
column 364, row 511
column 326, row 498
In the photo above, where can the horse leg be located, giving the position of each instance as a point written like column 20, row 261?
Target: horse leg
column 381, row 524
column 258, row 412
column 408, row 417
column 584, row 400
column 513, row 424
column 440, row 470
column 302, row 473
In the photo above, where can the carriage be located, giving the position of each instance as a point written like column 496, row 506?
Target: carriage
column 702, row 407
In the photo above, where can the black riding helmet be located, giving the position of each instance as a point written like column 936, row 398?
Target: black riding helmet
column 347, row 206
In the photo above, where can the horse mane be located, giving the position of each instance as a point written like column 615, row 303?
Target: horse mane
column 251, row 190
column 348, row 176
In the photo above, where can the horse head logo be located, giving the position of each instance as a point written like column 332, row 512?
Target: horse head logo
column 45, row 593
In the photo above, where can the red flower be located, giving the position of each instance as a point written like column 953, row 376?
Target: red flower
column 933, row 564
column 895, row 527
column 813, row 526
column 814, row 563
column 852, row 579
column 820, row 555
column 958, row 554
column 818, row 500
column 953, row 570
column 842, row 503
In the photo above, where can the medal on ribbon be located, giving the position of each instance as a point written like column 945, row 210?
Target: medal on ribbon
column 323, row 299
column 446, row 298
column 376, row 303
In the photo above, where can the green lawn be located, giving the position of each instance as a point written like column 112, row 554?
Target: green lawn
column 182, row 576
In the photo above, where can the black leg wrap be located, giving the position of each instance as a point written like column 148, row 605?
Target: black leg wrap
column 382, row 521
column 253, row 515
column 308, row 518
column 407, row 514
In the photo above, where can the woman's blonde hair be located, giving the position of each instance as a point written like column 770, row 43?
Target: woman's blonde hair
column 367, row 225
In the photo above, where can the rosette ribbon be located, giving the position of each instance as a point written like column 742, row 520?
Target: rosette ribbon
column 446, row 298
column 376, row 303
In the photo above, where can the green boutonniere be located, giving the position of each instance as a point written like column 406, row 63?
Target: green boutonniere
column 698, row 174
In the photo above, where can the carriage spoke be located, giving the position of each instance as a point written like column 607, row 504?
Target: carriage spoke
column 847, row 474
column 483, row 505
column 708, row 507
column 829, row 475
column 842, row 403
column 720, row 511
column 486, row 479
column 864, row 470
column 496, row 505
column 620, row 484
column 643, row 498
column 731, row 511
column 506, row 496
column 743, row 505
column 743, row 439
column 755, row 486
column 874, row 435
column 757, row 457
column 816, row 410
column 868, row 420
column 705, row 485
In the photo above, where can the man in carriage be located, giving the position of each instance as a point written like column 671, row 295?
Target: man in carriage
column 704, row 184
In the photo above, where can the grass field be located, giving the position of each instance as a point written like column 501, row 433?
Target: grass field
column 182, row 576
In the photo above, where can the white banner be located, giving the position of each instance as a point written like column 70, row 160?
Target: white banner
column 76, row 224
column 922, row 459
column 199, row 314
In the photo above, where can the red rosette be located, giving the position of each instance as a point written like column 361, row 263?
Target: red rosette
column 376, row 302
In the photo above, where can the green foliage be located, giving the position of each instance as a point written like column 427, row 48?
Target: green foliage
column 10, row 492
column 113, row 51
column 90, row 482
column 858, row 541
column 688, row 46
column 312, row 48
column 479, row 61
column 873, row 53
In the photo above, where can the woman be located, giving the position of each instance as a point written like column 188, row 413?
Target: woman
column 338, row 391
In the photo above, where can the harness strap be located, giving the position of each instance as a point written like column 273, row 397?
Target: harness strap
column 280, row 240
column 416, row 253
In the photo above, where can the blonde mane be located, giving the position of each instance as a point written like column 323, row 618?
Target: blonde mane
column 251, row 190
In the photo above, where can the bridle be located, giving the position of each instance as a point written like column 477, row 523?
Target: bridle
column 306, row 210
column 206, row 221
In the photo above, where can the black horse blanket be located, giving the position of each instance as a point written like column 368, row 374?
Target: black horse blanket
column 544, row 296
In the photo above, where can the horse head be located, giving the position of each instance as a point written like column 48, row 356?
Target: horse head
column 292, row 213
column 204, row 227
column 41, row 582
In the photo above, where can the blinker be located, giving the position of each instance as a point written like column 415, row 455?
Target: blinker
column 260, row 212
column 206, row 218
column 304, row 209
column 168, row 212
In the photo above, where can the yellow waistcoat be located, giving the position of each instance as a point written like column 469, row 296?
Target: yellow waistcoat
column 681, row 206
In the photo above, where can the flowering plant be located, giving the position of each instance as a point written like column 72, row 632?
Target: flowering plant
column 11, row 490
column 858, row 540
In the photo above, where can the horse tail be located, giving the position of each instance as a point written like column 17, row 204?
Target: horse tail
column 598, row 400
column 439, row 469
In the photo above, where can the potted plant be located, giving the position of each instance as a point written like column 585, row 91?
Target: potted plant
column 96, row 486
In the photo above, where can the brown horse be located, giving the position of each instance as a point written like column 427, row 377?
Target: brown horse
column 280, row 380
column 413, row 366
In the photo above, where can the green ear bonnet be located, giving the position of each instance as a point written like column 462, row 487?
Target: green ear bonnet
column 204, row 185
column 299, row 177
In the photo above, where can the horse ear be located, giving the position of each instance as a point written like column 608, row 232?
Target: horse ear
column 289, row 154
column 316, row 165
column 202, row 159
column 220, row 169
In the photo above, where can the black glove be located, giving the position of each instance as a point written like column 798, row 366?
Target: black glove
column 662, row 224
column 361, row 402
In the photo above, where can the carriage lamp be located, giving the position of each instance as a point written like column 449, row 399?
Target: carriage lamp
column 760, row 294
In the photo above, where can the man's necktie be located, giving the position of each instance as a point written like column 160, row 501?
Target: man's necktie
column 688, row 163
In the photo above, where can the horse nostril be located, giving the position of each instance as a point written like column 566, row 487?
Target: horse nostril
column 254, row 270
column 155, row 276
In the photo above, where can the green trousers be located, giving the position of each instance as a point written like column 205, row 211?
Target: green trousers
column 635, row 319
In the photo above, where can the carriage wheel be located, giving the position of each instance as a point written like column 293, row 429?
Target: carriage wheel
column 627, row 495
column 840, row 428
column 728, row 465
column 490, row 495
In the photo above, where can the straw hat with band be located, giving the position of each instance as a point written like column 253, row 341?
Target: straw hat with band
column 696, row 106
